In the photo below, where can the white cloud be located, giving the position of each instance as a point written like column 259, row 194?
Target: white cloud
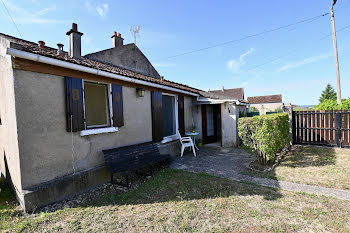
column 46, row 10
column 24, row 16
column 303, row 62
column 235, row 64
column 88, row 6
column 102, row 9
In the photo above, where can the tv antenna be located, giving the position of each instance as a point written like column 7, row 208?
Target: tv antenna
column 135, row 32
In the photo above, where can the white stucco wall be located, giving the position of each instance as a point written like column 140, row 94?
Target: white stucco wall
column 197, row 119
column 46, row 149
column 8, row 127
column 44, row 144
column 229, row 120
column 188, row 113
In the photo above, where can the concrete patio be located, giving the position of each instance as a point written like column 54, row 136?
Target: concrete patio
column 215, row 160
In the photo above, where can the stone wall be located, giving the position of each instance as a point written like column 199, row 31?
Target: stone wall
column 268, row 107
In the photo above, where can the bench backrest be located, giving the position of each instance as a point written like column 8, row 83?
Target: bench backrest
column 122, row 156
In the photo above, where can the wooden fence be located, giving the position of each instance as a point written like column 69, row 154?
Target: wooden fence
column 321, row 128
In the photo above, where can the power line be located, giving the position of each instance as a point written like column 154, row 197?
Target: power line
column 250, row 36
column 8, row 12
column 293, row 51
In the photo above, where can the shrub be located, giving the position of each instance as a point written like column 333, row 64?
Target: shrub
column 266, row 134
column 254, row 109
column 278, row 110
column 242, row 114
column 333, row 105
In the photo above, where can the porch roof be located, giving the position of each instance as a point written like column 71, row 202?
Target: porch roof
column 206, row 100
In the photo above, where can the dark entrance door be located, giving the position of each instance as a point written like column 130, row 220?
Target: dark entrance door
column 211, row 123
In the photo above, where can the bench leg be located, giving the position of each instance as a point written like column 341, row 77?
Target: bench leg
column 127, row 181
column 112, row 178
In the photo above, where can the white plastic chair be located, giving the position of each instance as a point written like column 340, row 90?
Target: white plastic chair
column 186, row 142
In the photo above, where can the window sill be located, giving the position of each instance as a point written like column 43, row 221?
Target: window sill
column 169, row 139
column 98, row 131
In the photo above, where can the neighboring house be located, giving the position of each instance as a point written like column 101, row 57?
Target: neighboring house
column 266, row 103
column 234, row 93
column 59, row 110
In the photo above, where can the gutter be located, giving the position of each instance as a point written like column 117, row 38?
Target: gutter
column 220, row 101
column 72, row 66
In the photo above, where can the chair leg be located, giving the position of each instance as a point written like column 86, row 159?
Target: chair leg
column 194, row 151
column 182, row 150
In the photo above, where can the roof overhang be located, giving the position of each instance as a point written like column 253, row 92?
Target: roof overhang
column 69, row 65
column 201, row 100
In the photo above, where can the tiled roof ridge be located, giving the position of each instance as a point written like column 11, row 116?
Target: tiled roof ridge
column 47, row 51
column 265, row 99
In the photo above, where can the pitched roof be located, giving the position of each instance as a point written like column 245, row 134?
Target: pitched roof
column 120, row 52
column 32, row 47
column 235, row 93
column 265, row 99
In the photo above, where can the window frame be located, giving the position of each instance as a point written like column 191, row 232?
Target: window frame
column 174, row 136
column 97, row 129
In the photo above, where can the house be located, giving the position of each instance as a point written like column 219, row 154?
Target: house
column 235, row 93
column 59, row 110
column 216, row 118
column 266, row 103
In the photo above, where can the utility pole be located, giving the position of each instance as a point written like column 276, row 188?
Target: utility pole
column 336, row 54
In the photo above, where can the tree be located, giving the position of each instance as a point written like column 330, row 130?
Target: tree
column 328, row 94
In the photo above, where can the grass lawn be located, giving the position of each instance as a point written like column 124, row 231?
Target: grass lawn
column 179, row 201
column 322, row 166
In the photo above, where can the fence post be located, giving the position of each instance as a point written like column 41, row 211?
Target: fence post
column 293, row 127
column 338, row 128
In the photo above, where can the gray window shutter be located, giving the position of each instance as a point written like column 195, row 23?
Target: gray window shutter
column 117, row 100
column 157, row 116
column 181, row 114
column 74, row 104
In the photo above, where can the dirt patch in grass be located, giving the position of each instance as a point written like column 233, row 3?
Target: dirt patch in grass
column 179, row 201
column 322, row 166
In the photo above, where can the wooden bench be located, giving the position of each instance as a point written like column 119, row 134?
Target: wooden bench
column 127, row 159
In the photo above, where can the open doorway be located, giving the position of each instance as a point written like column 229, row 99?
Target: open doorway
column 211, row 123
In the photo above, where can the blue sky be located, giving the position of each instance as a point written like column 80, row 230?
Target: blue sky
column 296, row 62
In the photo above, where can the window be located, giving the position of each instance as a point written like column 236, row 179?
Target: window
column 96, row 102
column 170, row 123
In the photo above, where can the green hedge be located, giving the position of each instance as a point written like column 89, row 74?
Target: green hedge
column 333, row 105
column 266, row 134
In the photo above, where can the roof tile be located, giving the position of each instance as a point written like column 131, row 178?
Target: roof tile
column 235, row 93
column 265, row 99
column 32, row 47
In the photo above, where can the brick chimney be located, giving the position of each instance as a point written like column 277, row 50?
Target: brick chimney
column 41, row 44
column 117, row 40
column 74, row 41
